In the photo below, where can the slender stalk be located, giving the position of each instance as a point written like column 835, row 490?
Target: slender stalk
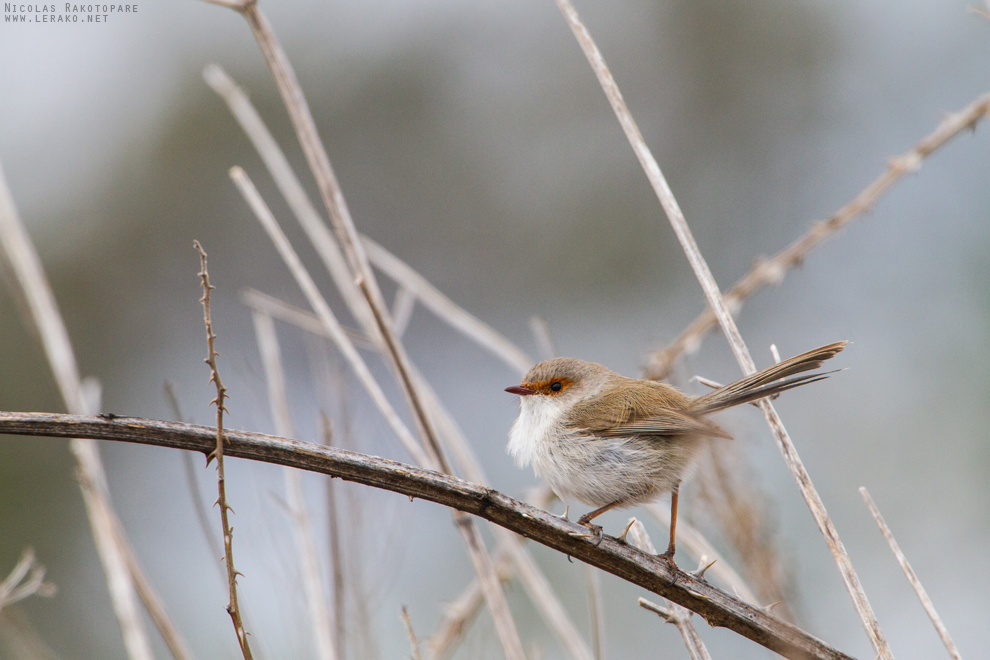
column 228, row 545
column 309, row 562
column 717, row 303
column 911, row 576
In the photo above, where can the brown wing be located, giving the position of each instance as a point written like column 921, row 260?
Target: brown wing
column 638, row 407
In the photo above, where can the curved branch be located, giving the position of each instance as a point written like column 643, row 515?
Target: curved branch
column 611, row 555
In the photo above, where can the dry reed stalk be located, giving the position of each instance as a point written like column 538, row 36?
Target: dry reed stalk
column 772, row 270
column 717, row 303
column 610, row 555
column 233, row 609
column 111, row 547
column 309, row 563
column 912, row 578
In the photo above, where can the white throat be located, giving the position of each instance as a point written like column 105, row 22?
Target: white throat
column 540, row 418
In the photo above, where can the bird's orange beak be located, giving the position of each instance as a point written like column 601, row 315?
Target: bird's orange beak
column 521, row 390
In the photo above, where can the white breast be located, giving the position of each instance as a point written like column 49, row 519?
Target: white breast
column 538, row 422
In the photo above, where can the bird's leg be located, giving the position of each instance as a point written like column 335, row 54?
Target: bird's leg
column 669, row 554
column 596, row 530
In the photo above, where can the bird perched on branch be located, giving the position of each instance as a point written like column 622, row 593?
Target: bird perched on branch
column 610, row 441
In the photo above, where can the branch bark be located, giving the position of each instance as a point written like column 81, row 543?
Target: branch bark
column 611, row 555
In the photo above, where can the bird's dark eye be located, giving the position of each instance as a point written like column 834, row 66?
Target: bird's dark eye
column 556, row 386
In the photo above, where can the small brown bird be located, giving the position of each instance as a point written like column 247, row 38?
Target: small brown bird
column 610, row 441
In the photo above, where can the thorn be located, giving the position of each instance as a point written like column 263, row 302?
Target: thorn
column 567, row 509
column 700, row 573
column 622, row 537
column 771, row 606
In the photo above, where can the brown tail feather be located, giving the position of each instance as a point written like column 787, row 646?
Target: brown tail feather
column 768, row 382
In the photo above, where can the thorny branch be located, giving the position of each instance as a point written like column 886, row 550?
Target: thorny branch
column 611, row 555
column 217, row 452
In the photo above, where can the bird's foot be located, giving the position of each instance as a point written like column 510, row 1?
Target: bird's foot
column 594, row 531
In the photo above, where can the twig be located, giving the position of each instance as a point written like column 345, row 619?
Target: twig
column 196, row 494
column 596, row 611
column 26, row 579
column 40, row 299
column 271, row 359
column 717, row 303
column 772, row 271
column 912, row 578
column 621, row 560
column 217, row 453
column 675, row 614
column 413, row 642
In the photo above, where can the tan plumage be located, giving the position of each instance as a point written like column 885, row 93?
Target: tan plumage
column 611, row 441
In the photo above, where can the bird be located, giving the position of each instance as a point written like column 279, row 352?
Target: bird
column 610, row 442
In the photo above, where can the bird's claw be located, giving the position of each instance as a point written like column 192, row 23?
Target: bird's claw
column 595, row 532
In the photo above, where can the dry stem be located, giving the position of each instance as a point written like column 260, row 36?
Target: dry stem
column 773, row 270
column 309, row 562
column 717, row 303
column 622, row 560
column 912, row 578
column 228, row 547
column 111, row 547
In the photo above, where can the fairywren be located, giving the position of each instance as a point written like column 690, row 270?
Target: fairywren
column 610, row 441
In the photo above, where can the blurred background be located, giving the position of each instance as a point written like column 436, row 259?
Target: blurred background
column 472, row 140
